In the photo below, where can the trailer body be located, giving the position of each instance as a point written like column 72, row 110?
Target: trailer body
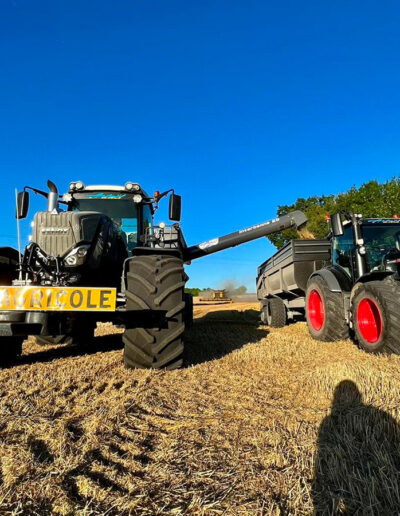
column 284, row 276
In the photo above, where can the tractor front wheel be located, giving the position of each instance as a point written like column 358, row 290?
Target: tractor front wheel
column 156, row 283
column 375, row 311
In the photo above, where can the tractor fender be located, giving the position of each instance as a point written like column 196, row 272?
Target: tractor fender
column 146, row 251
column 334, row 278
column 140, row 251
column 371, row 276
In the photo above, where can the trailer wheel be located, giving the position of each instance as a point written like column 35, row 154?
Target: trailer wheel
column 376, row 316
column 10, row 349
column 156, row 283
column 325, row 312
column 274, row 313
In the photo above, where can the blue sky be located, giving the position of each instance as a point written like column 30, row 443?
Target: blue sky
column 240, row 106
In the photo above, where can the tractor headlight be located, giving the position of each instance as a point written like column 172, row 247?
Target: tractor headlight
column 137, row 198
column 71, row 260
column 77, row 256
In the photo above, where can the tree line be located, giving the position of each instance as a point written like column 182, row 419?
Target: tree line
column 371, row 199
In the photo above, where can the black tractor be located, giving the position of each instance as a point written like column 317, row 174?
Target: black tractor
column 96, row 255
column 360, row 290
column 345, row 285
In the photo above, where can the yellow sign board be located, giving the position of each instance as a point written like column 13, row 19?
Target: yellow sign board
column 89, row 299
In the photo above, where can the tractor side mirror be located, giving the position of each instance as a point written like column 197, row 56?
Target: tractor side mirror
column 337, row 226
column 175, row 204
column 22, row 205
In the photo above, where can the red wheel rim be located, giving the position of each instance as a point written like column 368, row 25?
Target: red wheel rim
column 316, row 310
column 369, row 320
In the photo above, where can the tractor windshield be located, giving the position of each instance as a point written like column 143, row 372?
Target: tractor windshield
column 379, row 239
column 123, row 212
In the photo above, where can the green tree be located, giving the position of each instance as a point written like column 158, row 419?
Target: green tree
column 194, row 291
column 371, row 199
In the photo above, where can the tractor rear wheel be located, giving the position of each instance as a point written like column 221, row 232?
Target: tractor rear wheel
column 156, row 283
column 375, row 314
column 325, row 312
column 10, row 349
column 82, row 334
column 274, row 313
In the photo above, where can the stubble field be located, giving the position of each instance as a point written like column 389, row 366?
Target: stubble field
column 259, row 421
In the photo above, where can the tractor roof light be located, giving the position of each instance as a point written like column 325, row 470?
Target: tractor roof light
column 137, row 198
column 132, row 186
column 76, row 185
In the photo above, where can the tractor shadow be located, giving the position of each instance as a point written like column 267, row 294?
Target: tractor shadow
column 103, row 343
column 212, row 336
column 220, row 332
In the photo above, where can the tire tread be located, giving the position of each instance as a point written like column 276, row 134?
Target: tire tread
column 156, row 283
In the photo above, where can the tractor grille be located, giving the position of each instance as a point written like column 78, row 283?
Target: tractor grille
column 58, row 233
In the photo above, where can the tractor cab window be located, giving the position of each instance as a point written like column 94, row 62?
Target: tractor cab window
column 122, row 211
column 379, row 240
column 343, row 247
column 147, row 217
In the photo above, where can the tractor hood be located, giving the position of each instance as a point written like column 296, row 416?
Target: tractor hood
column 58, row 233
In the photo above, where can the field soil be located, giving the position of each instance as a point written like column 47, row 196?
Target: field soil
column 259, row 421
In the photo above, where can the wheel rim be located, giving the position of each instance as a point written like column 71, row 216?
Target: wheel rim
column 316, row 310
column 369, row 320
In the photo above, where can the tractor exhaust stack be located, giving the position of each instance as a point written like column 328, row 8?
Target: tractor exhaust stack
column 52, row 197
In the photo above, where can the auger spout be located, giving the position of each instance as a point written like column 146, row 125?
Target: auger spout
column 295, row 218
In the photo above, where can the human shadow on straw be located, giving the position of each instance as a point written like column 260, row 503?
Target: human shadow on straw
column 357, row 468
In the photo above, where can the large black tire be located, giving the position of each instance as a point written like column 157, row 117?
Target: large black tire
column 156, row 283
column 274, row 313
column 10, row 349
column 375, row 312
column 325, row 312
column 188, row 315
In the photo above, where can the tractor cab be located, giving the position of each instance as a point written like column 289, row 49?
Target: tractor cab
column 365, row 246
column 125, row 206
column 382, row 244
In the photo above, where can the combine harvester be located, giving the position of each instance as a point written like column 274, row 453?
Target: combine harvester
column 347, row 284
column 102, row 259
column 215, row 297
